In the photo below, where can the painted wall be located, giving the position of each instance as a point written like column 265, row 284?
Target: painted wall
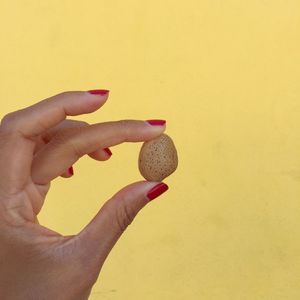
column 225, row 75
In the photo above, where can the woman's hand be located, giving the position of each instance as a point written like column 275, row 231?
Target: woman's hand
column 37, row 145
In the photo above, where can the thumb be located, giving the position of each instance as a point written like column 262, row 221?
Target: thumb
column 101, row 234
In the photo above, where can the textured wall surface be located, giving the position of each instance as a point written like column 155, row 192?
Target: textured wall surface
column 225, row 75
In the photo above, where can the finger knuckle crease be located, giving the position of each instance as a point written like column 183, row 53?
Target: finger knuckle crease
column 124, row 217
column 66, row 138
column 125, row 129
column 76, row 149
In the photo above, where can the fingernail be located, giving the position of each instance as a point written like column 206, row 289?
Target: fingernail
column 107, row 150
column 157, row 191
column 156, row 122
column 71, row 171
column 98, row 92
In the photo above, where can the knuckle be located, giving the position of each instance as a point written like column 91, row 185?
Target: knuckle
column 83, row 123
column 76, row 149
column 64, row 94
column 66, row 139
column 8, row 120
column 69, row 123
column 61, row 136
column 58, row 141
column 124, row 123
column 124, row 128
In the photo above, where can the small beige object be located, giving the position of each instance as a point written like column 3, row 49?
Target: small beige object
column 158, row 158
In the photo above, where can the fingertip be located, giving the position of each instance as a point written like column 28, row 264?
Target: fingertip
column 156, row 122
column 96, row 100
column 139, row 189
column 69, row 173
column 157, row 190
column 98, row 95
column 146, row 190
column 157, row 126
column 108, row 152
column 65, row 175
column 99, row 92
column 101, row 154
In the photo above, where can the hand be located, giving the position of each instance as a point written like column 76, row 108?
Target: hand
column 37, row 145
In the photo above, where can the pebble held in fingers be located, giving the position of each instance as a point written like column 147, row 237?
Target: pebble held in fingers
column 158, row 158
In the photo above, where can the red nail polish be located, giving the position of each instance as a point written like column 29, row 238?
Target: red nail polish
column 157, row 191
column 71, row 171
column 107, row 150
column 99, row 92
column 157, row 122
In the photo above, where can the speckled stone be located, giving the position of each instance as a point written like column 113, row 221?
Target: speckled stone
column 158, row 158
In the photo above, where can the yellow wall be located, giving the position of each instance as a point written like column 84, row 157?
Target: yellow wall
column 225, row 75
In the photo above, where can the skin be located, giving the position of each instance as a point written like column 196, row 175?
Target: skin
column 37, row 145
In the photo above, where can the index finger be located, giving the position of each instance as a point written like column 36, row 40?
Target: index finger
column 65, row 149
column 36, row 119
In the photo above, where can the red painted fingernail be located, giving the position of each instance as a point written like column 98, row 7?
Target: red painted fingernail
column 107, row 150
column 157, row 191
column 99, row 92
column 71, row 171
column 157, row 122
